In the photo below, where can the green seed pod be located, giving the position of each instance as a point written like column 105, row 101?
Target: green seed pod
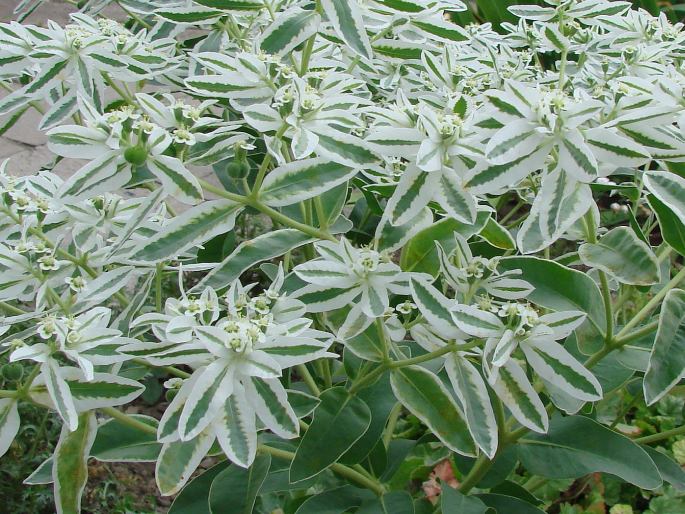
column 12, row 372
column 238, row 169
column 136, row 155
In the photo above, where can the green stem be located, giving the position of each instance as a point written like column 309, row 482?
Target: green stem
column 11, row 309
column 272, row 213
column 128, row 420
column 373, row 375
column 649, row 439
column 392, row 423
column 169, row 369
column 591, row 237
column 308, row 379
column 478, row 471
column 4, row 393
column 337, row 468
column 652, row 304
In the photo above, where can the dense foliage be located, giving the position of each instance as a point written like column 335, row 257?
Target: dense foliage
column 347, row 233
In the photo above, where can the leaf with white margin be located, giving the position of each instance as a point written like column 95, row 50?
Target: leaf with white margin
column 269, row 399
column 392, row 238
column 395, row 141
column 497, row 176
column 472, row 392
column 236, row 429
column 425, row 396
column 178, row 460
column 9, row 423
column 435, row 307
column 624, row 256
column 191, row 228
column 576, row 157
column 301, row 180
column 142, row 213
column 477, row 322
column 324, row 298
column 205, row 398
column 517, row 394
column 248, row 253
column 101, row 175
column 347, row 21
column 344, row 148
column 441, row 30
column 176, row 180
column 610, row 147
column 512, row 142
column 70, row 469
column 563, row 323
column 667, row 359
column 552, row 362
column 193, row 14
column 457, row 202
column 59, row 392
column 669, row 188
column 413, row 192
column 562, row 200
column 104, row 390
column 105, row 285
column 288, row 30
column 558, row 41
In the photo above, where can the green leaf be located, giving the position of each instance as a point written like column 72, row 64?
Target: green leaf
column 348, row 23
column 194, row 498
column 235, row 489
column 503, row 503
column 380, row 400
column 559, row 288
column 667, row 359
column 70, row 469
column 454, row 502
column 339, row 421
column 334, row 501
column 497, row 235
column 189, row 229
column 366, row 345
column 394, row 502
column 248, row 253
column 424, row 395
column 671, row 226
column 622, row 254
column 118, row 442
column 300, row 180
column 420, row 253
column 289, row 30
column 669, row 470
column 576, row 446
